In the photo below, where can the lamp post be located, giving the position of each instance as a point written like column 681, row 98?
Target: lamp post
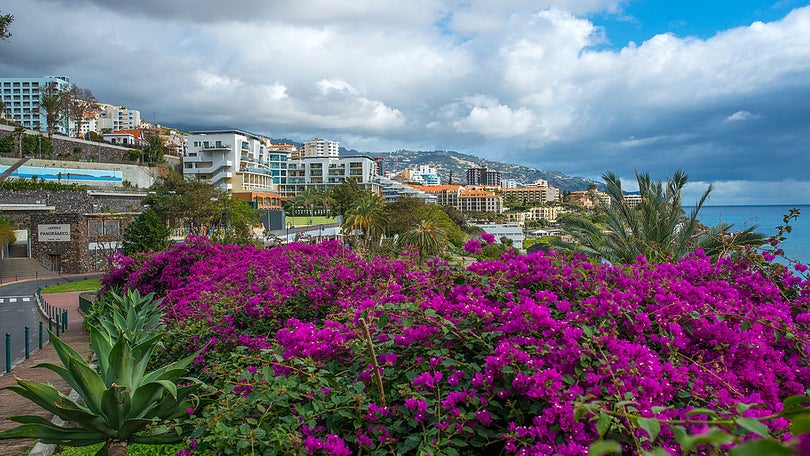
column 287, row 238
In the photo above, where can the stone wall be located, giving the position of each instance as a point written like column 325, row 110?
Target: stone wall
column 77, row 201
column 79, row 149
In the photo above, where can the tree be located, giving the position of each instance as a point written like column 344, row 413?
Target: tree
column 146, row 232
column 153, row 151
column 37, row 145
column 52, row 101
column 81, row 101
column 428, row 238
column 657, row 228
column 309, row 198
column 7, row 235
column 343, row 196
column 366, row 215
column 5, row 24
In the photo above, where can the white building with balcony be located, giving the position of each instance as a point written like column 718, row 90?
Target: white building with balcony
column 234, row 160
column 320, row 147
column 322, row 173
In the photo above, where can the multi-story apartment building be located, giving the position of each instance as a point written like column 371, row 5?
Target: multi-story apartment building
column 483, row 177
column 533, row 195
column 588, row 199
column 478, row 200
column 320, row 147
column 422, row 175
column 393, row 190
column 464, row 199
column 116, row 118
column 21, row 99
column 233, row 160
column 325, row 172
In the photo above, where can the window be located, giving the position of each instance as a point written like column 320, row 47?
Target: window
column 94, row 228
column 111, row 226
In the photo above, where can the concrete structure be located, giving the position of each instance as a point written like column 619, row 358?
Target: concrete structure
column 72, row 171
column 533, row 195
column 126, row 138
column 232, row 160
column 632, row 200
column 483, row 177
column 421, row 175
column 393, row 190
column 116, row 118
column 72, row 231
column 588, row 199
column 21, row 98
column 464, row 199
column 320, row 147
column 325, row 172
column 512, row 231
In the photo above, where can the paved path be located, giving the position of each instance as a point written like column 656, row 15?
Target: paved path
column 12, row 404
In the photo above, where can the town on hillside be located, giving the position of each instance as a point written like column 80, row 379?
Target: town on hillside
column 84, row 170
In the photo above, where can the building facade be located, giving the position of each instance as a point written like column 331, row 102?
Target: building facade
column 21, row 98
column 533, row 195
column 233, row 160
column 322, row 173
column 483, row 177
column 319, row 147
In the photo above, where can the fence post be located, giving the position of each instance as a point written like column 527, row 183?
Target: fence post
column 27, row 343
column 50, row 323
column 8, row 353
column 40, row 335
column 57, row 324
column 64, row 320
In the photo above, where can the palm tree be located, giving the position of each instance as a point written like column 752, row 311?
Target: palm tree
column 428, row 238
column 309, row 198
column 366, row 215
column 657, row 228
column 52, row 100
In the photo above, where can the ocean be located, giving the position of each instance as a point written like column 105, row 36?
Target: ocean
column 766, row 219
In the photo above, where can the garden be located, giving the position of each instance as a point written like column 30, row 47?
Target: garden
column 311, row 349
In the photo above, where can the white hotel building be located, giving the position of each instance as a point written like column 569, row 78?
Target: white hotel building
column 234, row 160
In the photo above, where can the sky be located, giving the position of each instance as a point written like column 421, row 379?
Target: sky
column 719, row 89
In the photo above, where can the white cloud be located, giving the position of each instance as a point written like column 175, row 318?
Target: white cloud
column 487, row 117
column 742, row 115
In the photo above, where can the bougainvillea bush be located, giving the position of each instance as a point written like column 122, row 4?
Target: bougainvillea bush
column 314, row 350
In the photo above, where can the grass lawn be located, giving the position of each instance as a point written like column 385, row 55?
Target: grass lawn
column 132, row 450
column 304, row 220
column 79, row 285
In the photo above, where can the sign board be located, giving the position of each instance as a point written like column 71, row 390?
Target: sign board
column 53, row 233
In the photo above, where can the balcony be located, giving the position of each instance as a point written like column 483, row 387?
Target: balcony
column 219, row 146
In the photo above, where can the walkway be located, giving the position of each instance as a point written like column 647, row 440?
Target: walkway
column 14, row 404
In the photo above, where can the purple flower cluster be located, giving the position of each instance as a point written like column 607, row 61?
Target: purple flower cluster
column 504, row 349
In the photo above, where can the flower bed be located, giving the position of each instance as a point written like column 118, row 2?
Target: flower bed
column 316, row 351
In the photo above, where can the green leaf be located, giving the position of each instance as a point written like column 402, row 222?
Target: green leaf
column 652, row 426
column 760, row 447
column 744, row 326
column 600, row 447
column 742, row 408
column 603, row 424
column 800, row 424
column 753, row 425
column 702, row 411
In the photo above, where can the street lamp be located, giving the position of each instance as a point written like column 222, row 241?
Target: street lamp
column 287, row 238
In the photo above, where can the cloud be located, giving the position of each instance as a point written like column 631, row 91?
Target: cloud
column 742, row 115
column 526, row 81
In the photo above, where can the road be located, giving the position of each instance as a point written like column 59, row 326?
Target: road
column 18, row 310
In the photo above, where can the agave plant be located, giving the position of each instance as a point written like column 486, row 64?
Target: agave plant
column 120, row 402
column 129, row 315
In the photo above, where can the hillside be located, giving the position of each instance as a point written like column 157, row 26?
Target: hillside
column 457, row 163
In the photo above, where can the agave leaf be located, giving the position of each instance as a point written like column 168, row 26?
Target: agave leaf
column 89, row 382
column 158, row 439
column 50, row 433
column 65, row 351
column 44, row 396
column 115, row 406
column 145, row 398
column 120, row 364
column 101, row 344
